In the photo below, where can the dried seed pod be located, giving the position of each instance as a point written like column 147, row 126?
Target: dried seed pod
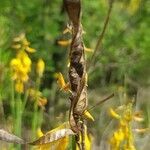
column 9, row 137
column 77, row 68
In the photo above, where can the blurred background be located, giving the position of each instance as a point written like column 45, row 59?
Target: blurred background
column 121, row 67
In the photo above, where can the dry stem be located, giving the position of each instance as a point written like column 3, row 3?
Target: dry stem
column 101, row 37
column 77, row 72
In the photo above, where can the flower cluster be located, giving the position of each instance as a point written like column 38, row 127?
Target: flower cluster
column 21, row 65
column 21, row 43
column 35, row 94
column 122, row 138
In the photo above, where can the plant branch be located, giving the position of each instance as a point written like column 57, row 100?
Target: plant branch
column 102, row 101
column 101, row 37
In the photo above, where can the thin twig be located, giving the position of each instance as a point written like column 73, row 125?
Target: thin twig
column 102, row 101
column 100, row 39
column 77, row 139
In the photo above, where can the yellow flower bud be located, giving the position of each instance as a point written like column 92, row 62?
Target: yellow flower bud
column 39, row 132
column 16, row 46
column 87, row 115
column 64, row 43
column 40, row 67
column 25, row 42
column 42, row 102
column 114, row 114
column 19, row 38
column 88, row 49
column 30, row 50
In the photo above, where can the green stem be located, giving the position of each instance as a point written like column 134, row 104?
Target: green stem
column 35, row 118
column 73, row 143
column 25, row 100
column 12, row 99
column 148, row 116
column 35, row 121
column 18, row 121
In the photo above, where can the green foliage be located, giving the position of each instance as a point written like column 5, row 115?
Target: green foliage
column 125, row 46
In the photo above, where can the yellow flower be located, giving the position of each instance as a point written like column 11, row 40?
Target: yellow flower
column 37, row 95
column 19, row 38
column 87, row 115
column 122, row 138
column 117, row 139
column 64, row 43
column 25, row 42
column 21, row 43
column 24, row 58
column 61, row 82
column 39, row 132
column 42, row 101
column 138, row 117
column 20, row 66
column 88, row 49
column 24, row 77
column 34, row 93
column 40, row 67
column 114, row 114
column 119, row 135
column 15, row 63
column 30, row 50
column 19, row 87
column 133, row 6
column 143, row 130
column 16, row 46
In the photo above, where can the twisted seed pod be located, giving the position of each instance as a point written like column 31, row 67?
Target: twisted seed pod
column 77, row 69
column 9, row 137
